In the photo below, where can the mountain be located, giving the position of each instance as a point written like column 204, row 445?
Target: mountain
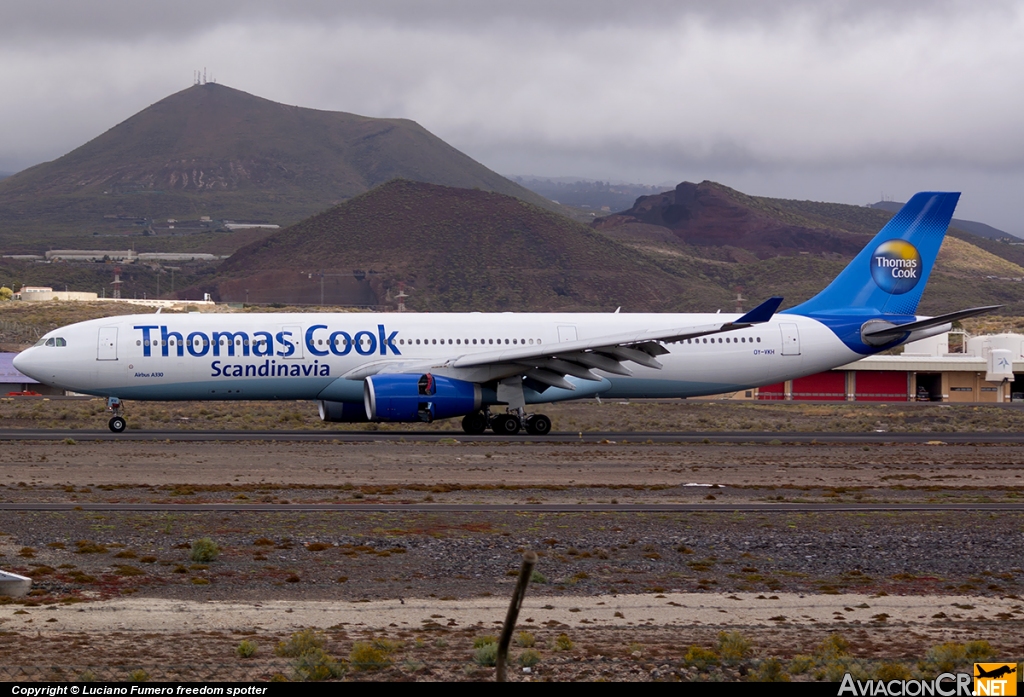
column 971, row 226
column 210, row 150
column 763, row 246
column 712, row 215
column 451, row 249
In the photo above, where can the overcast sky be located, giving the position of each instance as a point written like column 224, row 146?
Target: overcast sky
column 841, row 101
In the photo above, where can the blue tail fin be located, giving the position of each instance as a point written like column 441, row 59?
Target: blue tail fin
column 889, row 275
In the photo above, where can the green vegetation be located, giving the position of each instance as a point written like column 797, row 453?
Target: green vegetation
column 204, row 549
column 770, row 670
column 733, row 647
column 529, row 658
column 485, row 651
column 246, row 649
column 371, row 655
column 316, row 664
column 302, row 641
column 525, row 639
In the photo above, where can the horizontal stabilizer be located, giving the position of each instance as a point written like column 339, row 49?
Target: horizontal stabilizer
column 895, row 331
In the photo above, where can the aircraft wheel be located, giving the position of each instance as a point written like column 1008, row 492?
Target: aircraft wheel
column 474, row 424
column 505, row 424
column 118, row 424
column 538, row 425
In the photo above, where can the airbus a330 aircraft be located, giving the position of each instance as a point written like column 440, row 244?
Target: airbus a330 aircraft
column 491, row 368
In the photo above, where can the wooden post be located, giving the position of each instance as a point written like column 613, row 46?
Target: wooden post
column 529, row 561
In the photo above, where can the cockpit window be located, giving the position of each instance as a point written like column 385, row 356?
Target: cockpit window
column 50, row 341
column 39, row 343
column 60, row 341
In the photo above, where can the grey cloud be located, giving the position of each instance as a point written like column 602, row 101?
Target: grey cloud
column 647, row 91
column 131, row 20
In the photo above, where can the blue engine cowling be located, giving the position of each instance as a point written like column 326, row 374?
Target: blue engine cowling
column 423, row 397
column 341, row 412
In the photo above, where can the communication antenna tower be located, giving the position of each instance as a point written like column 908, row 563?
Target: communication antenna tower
column 117, row 283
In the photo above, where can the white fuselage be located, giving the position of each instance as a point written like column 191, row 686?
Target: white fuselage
column 302, row 356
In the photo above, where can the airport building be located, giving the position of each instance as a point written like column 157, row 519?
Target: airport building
column 47, row 294
column 926, row 371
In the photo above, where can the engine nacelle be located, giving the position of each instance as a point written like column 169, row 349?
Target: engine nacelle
column 424, row 397
column 341, row 412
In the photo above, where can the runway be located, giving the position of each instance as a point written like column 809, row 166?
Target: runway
column 634, row 437
column 515, row 507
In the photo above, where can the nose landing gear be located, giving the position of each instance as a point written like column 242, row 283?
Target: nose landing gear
column 117, row 423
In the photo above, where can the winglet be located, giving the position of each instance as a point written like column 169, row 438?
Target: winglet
column 761, row 313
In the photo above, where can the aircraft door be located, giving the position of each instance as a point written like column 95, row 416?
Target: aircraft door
column 790, row 339
column 566, row 333
column 106, row 346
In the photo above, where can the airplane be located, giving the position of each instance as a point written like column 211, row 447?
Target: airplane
column 492, row 368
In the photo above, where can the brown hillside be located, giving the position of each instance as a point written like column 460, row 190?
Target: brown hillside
column 763, row 246
column 711, row 215
column 452, row 249
column 212, row 150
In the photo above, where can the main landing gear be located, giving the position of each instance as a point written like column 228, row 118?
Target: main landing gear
column 117, row 423
column 507, row 424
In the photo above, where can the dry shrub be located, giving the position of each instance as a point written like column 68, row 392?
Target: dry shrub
column 204, row 549
column 366, row 656
column 733, row 646
column 300, row 642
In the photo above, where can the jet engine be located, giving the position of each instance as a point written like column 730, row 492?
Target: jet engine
column 341, row 412
column 424, row 397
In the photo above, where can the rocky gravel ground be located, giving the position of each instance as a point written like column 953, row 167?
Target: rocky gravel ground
column 637, row 596
column 354, row 556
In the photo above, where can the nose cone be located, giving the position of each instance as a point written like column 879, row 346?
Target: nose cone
column 23, row 363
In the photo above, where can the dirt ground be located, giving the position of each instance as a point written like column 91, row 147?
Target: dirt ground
column 620, row 595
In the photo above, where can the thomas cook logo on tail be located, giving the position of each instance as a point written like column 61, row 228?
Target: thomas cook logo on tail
column 896, row 266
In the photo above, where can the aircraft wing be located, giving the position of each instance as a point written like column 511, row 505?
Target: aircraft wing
column 550, row 363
